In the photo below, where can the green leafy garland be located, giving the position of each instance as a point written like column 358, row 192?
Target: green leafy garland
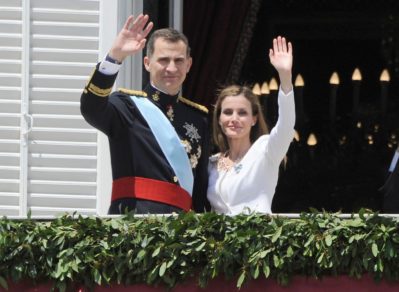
column 171, row 249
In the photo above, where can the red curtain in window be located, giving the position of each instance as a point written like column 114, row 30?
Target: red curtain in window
column 219, row 33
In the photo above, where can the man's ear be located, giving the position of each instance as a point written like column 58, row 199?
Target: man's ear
column 189, row 64
column 146, row 62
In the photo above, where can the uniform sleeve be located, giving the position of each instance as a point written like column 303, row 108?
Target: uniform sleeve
column 95, row 104
column 282, row 134
column 200, row 201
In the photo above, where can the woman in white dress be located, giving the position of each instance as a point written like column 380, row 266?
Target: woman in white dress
column 243, row 176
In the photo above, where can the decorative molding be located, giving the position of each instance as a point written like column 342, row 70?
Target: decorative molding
column 244, row 42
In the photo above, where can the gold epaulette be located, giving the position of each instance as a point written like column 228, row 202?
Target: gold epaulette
column 193, row 104
column 132, row 92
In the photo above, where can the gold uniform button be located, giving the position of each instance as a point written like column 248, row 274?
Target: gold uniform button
column 175, row 179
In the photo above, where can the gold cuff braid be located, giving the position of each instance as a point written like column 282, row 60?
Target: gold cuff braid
column 99, row 91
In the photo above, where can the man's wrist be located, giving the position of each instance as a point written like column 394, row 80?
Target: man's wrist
column 108, row 58
column 108, row 67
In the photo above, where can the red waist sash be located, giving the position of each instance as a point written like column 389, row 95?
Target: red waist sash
column 151, row 189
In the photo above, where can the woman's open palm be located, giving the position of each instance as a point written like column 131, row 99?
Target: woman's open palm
column 281, row 54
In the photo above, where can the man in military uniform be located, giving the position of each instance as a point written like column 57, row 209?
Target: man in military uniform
column 158, row 141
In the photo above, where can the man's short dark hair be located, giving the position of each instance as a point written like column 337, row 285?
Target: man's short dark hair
column 168, row 34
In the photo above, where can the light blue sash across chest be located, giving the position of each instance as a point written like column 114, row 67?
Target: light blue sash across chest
column 168, row 140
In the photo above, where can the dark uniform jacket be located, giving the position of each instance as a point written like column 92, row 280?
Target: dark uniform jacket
column 134, row 150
